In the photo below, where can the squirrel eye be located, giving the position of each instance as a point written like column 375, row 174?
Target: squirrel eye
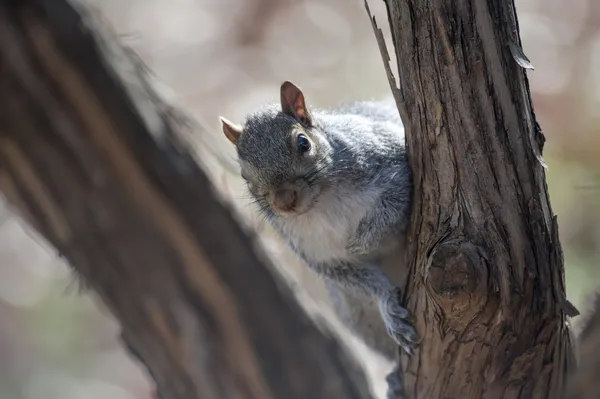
column 303, row 144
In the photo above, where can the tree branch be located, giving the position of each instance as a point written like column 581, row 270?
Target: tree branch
column 94, row 159
column 487, row 284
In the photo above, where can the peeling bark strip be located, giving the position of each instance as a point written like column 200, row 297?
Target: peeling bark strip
column 94, row 160
column 488, row 280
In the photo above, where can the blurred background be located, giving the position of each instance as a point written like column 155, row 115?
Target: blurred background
column 226, row 57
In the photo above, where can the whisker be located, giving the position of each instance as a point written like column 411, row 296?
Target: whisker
column 315, row 175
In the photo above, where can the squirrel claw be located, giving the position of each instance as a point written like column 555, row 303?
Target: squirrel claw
column 398, row 323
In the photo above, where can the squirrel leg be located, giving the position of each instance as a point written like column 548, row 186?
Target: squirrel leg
column 374, row 282
column 398, row 320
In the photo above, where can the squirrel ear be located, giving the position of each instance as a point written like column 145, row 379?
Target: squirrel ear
column 292, row 103
column 231, row 130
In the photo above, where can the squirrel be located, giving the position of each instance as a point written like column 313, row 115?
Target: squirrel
column 336, row 185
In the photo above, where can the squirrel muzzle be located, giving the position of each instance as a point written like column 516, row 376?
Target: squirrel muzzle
column 292, row 198
column 285, row 199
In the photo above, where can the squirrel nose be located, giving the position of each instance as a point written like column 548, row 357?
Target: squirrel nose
column 285, row 199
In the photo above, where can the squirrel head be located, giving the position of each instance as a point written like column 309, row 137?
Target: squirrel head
column 283, row 156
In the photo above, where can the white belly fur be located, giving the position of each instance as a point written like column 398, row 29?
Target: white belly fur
column 322, row 234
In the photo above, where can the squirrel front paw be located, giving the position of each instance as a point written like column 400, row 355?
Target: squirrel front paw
column 398, row 321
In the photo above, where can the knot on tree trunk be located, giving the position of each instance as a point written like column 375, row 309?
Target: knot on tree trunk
column 456, row 279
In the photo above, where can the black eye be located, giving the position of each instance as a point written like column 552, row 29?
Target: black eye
column 303, row 144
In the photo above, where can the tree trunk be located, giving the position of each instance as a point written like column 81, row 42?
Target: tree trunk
column 486, row 265
column 98, row 164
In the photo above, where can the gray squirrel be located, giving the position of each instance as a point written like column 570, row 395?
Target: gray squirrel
column 337, row 187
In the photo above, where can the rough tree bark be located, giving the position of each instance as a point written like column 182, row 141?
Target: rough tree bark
column 98, row 164
column 487, row 279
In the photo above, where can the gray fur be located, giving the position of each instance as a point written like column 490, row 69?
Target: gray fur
column 358, row 190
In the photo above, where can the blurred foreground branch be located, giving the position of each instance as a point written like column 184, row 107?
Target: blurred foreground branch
column 98, row 164
column 487, row 284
